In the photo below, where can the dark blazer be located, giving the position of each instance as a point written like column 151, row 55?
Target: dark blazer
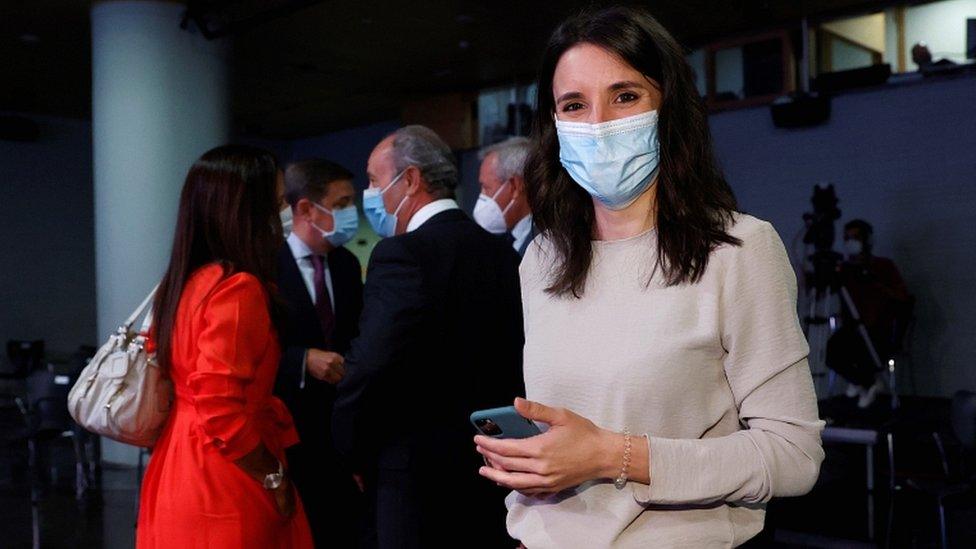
column 528, row 240
column 440, row 337
column 326, row 488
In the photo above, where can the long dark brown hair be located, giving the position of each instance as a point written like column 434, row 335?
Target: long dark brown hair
column 228, row 214
column 694, row 203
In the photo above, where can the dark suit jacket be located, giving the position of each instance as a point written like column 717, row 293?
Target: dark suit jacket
column 440, row 337
column 326, row 488
column 528, row 240
column 312, row 406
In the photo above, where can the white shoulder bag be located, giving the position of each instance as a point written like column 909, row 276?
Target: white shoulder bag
column 122, row 393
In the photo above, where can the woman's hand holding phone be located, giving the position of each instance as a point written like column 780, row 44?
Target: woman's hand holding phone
column 571, row 452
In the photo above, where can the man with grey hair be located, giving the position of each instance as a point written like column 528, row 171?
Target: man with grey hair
column 439, row 338
column 503, row 207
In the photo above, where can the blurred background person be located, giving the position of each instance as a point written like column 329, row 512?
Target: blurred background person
column 884, row 307
column 502, row 206
column 440, row 337
column 320, row 282
column 218, row 475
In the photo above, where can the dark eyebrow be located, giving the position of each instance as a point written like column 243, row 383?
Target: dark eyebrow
column 569, row 95
column 616, row 86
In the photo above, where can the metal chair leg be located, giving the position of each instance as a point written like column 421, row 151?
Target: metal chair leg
column 891, row 488
column 942, row 525
column 81, row 475
column 91, row 460
column 34, row 495
column 139, row 472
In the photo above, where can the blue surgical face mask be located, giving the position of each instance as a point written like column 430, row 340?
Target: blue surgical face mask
column 383, row 222
column 614, row 161
column 345, row 224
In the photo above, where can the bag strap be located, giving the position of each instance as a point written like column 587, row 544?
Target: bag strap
column 139, row 310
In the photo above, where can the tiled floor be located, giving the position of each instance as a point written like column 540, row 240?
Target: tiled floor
column 99, row 522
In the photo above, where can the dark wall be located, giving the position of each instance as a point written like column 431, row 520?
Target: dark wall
column 47, row 241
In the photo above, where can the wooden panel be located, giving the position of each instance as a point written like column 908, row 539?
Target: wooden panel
column 452, row 116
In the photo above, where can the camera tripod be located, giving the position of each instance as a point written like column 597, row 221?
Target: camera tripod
column 822, row 317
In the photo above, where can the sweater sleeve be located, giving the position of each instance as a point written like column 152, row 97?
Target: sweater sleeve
column 778, row 451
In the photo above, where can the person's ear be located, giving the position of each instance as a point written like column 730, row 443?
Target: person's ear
column 517, row 183
column 303, row 207
column 413, row 180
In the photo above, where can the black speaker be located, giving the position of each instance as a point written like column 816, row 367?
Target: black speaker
column 800, row 111
column 830, row 82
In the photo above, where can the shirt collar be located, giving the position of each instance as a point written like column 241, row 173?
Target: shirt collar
column 299, row 249
column 430, row 210
column 522, row 228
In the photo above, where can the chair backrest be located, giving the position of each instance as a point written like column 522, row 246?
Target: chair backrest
column 23, row 356
column 47, row 396
column 964, row 418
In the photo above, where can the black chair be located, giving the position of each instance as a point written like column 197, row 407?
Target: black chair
column 50, row 422
column 15, row 424
column 24, row 357
column 34, row 416
column 957, row 476
column 90, row 443
column 15, row 435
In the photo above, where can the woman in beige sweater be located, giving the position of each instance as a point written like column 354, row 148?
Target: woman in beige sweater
column 662, row 344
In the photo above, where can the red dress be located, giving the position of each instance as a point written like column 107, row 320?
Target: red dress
column 224, row 360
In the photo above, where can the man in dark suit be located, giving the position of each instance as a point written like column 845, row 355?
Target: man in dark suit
column 321, row 284
column 503, row 206
column 440, row 337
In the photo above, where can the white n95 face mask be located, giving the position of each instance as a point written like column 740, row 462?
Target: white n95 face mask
column 489, row 214
column 614, row 161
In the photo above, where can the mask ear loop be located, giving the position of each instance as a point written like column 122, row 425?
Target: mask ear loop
column 325, row 234
column 404, row 199
column 511, row 200
column 394, row 180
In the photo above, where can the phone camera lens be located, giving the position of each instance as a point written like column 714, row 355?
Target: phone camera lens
column 489, row 427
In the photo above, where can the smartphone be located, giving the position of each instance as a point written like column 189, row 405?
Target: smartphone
column 503, row 423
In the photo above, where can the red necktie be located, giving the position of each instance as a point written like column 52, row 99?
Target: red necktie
column 323, row 306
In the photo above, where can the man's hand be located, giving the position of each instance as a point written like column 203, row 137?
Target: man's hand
column 325, row 365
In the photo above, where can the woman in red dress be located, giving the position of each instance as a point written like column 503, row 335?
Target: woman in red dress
column 217, row 476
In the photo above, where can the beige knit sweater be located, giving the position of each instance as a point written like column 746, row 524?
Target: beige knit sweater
column 714, row 373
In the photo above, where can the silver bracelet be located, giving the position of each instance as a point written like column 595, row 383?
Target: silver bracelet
column 621, row 481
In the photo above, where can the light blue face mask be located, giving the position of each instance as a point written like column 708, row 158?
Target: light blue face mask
column 383, row 222
column 345, row 224
column 614, row 161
